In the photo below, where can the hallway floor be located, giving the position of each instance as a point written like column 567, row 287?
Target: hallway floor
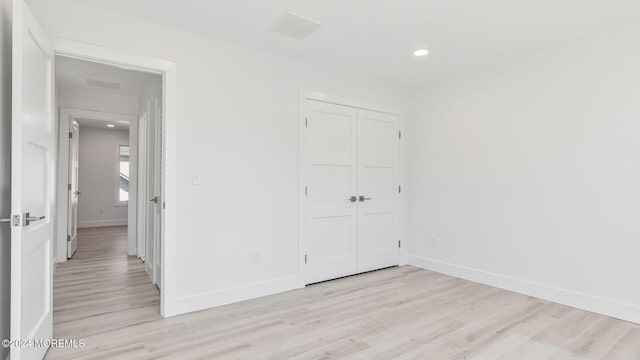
column 100, row 290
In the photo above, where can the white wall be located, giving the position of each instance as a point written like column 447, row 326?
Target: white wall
column 98, row 164
column 237, row 125
column 529, row 175
column 5, row 170
column 96, row 100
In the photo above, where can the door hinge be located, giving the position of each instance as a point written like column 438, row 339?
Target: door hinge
column 306, row 122
column 305, row 258
column 399, row 244
column 68, row 238
column 399, row 134
column 69, row 186
column 306, row 191
column 70, row 135
column 399, row 189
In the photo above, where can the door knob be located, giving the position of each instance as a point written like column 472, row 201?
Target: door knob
column 29, row 219
column 155, row 199
column 353, row 199
column 362, row 198
column 78, row 193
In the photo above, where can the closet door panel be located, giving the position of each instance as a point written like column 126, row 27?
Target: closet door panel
column 378, row 169
column 332, row 173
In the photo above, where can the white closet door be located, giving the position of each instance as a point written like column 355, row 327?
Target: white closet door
column 378, row 169
column 332, row 173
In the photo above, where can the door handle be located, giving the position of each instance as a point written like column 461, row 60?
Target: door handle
column 353, row 199
column 5, row 220
column 362, row 198
column 29, row 219
column 155, row 199
column 78, row 193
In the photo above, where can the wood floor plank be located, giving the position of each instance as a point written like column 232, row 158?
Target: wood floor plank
column 106, row 298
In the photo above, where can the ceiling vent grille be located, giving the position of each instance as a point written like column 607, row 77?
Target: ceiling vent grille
column 103, row 84
column 295, row 26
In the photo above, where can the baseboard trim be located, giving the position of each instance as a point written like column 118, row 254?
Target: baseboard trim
column 232, row 295
column 608, row 307
column 101, row 223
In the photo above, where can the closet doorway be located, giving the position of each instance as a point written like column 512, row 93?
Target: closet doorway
column 352, row 190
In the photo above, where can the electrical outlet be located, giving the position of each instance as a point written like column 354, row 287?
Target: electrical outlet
column 196, row 179
column 256, row 257
column 434, row 240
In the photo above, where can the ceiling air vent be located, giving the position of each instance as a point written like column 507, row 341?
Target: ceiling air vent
column 295, row 26
column 103, row 84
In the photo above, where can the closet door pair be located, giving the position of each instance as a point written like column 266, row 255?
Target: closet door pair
column 352, row 193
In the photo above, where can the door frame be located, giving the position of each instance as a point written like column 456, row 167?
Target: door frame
column 305, row 95
column 169, row 72
column 67, row 115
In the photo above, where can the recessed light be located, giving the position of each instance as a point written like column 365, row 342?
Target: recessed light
column 421, row 52
column 110, row 125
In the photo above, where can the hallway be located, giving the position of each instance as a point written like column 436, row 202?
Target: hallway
column 101, row 290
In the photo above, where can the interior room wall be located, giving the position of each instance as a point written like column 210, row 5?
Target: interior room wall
column 237, row 112
column 526, row 176
column 5, row 170
column 96, row 100
column 97, row 167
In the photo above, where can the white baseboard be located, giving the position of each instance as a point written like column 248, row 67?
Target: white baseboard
column 148, row 270
column 608, row 307
column 232, row 295
column 101, row 223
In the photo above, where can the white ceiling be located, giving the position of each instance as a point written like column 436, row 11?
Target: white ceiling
column 101, row 124
column 377, row 37
column 73, row 72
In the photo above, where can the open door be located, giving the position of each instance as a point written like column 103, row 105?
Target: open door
column 32, row 185
column 153, row 184
column 158, row 205
column 74, row 192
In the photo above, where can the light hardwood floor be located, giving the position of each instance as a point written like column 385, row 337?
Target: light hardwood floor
column 106, row 298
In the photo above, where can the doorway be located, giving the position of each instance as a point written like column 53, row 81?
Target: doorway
column 110, row 122
column 351, row 187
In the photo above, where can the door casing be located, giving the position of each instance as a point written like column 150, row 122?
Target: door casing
column 67, row 116
column 169, row 297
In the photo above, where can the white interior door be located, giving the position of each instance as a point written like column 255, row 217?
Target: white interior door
column 32, row 184
column 151, row 190
column 378, row 162
column 142, row 187
column 74, row 192
column 332, row 173
column 158, row 192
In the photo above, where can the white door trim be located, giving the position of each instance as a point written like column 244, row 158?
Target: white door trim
column 305, row 95
column 67, row 115
column 169, row 71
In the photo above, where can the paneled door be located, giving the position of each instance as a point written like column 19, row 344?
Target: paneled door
column 378, row 190
column 352, row 192
column 331, row 191
column 74, row 191
column 32, row 184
